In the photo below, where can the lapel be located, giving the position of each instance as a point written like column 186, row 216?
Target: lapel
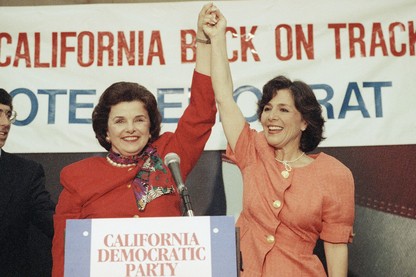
column 7, row 172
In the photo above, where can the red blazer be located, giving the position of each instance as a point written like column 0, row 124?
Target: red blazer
column 95, row 189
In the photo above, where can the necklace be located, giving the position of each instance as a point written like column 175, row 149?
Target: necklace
column 118, row 160
column 285, row 173
column 113, row 163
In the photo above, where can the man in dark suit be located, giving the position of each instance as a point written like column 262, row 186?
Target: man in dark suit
column 24, row 200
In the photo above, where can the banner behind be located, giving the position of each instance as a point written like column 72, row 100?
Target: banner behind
column 357, row 56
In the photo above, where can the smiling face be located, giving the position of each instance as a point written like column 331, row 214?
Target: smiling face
column 4, row 124
column 128, row 128
column 282, row 122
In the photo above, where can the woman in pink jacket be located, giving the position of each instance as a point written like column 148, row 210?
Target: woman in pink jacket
column 290, row 198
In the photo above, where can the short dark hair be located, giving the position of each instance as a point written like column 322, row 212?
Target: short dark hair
column 124, row 92
column 5, row 98
column 305, row 102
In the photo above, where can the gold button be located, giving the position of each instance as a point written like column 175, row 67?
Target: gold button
column 136, row 216
column 129, row 186
column 277, row 204
column 270, row 239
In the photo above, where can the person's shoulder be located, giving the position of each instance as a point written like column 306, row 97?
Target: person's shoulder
column 75, row 175
column 332, row 165
column 326, row 158
column 84, row 164
column 82, row 168
column 18, row 161
column 163, row 140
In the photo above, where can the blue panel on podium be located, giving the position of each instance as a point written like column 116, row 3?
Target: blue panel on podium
column 77, row 248
column 223, row 244
column 200, row 246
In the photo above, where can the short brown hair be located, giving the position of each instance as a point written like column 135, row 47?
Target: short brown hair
column 124, row 92
column 5, row 98
column 305, row 102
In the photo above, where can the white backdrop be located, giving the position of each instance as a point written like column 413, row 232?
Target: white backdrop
column 358, row 56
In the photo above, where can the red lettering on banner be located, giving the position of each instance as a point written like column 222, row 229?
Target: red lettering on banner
column 105, row 44
column 64, row 47
column 54, row 49
column 234, row 34
column 377, row 40
column 390, row 40
column 141, row 48
column 188, row 46
column 393, row 48
column 126, row 48
column 155, row 49
column 22, row 50
column 304, row 44
column 38, row 63
column 412, row 38
column 356, row 33
column 337, row 35
column 85, row 49
column 284, row 37
column 8, row 39
column 280, row 29
column 86, row 38
column 247, row 43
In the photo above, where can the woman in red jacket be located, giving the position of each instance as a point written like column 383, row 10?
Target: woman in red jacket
column 132, row 180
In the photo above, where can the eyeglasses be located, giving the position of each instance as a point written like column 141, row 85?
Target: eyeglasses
column 10, row 115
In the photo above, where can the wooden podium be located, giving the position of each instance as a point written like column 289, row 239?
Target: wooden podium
column 200, row 246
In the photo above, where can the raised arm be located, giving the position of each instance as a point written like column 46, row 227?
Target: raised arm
column 195, row 125
column 231, row 117
column 203, row 48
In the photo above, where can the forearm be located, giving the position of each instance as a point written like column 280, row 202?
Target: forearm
column 231, row 117
column 337, row 259
column 220, row 70
column 195, row 125
column 203, row 50
column 203, row 55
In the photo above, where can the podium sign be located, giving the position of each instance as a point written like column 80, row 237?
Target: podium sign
column 203, row 246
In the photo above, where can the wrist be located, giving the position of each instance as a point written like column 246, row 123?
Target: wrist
column 203, row 40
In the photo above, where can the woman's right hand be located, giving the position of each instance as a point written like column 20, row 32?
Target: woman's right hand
column 208, row 20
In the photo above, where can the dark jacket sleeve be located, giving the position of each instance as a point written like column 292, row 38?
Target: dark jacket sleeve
column 42, row 206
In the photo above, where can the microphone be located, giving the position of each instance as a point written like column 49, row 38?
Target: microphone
column 172, row 161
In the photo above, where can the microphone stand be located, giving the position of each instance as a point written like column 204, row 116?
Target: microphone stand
column 186, row 199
